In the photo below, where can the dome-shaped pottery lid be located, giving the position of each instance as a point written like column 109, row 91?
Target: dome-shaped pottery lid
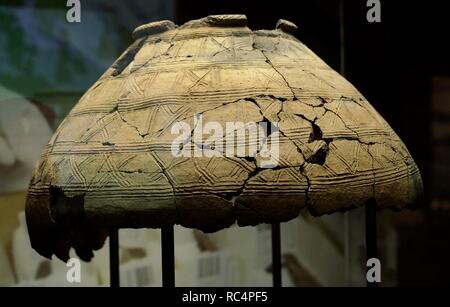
column 154, row 141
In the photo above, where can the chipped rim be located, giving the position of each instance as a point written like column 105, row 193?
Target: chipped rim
column 153, row 28
column 220, row 21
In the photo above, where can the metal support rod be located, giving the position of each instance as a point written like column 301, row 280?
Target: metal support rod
column 276, row 255
column 371, row 234
column 114, row 275
column 168, row 257
column 347, row 249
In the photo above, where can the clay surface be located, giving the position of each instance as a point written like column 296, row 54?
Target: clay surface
column 110, row 164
